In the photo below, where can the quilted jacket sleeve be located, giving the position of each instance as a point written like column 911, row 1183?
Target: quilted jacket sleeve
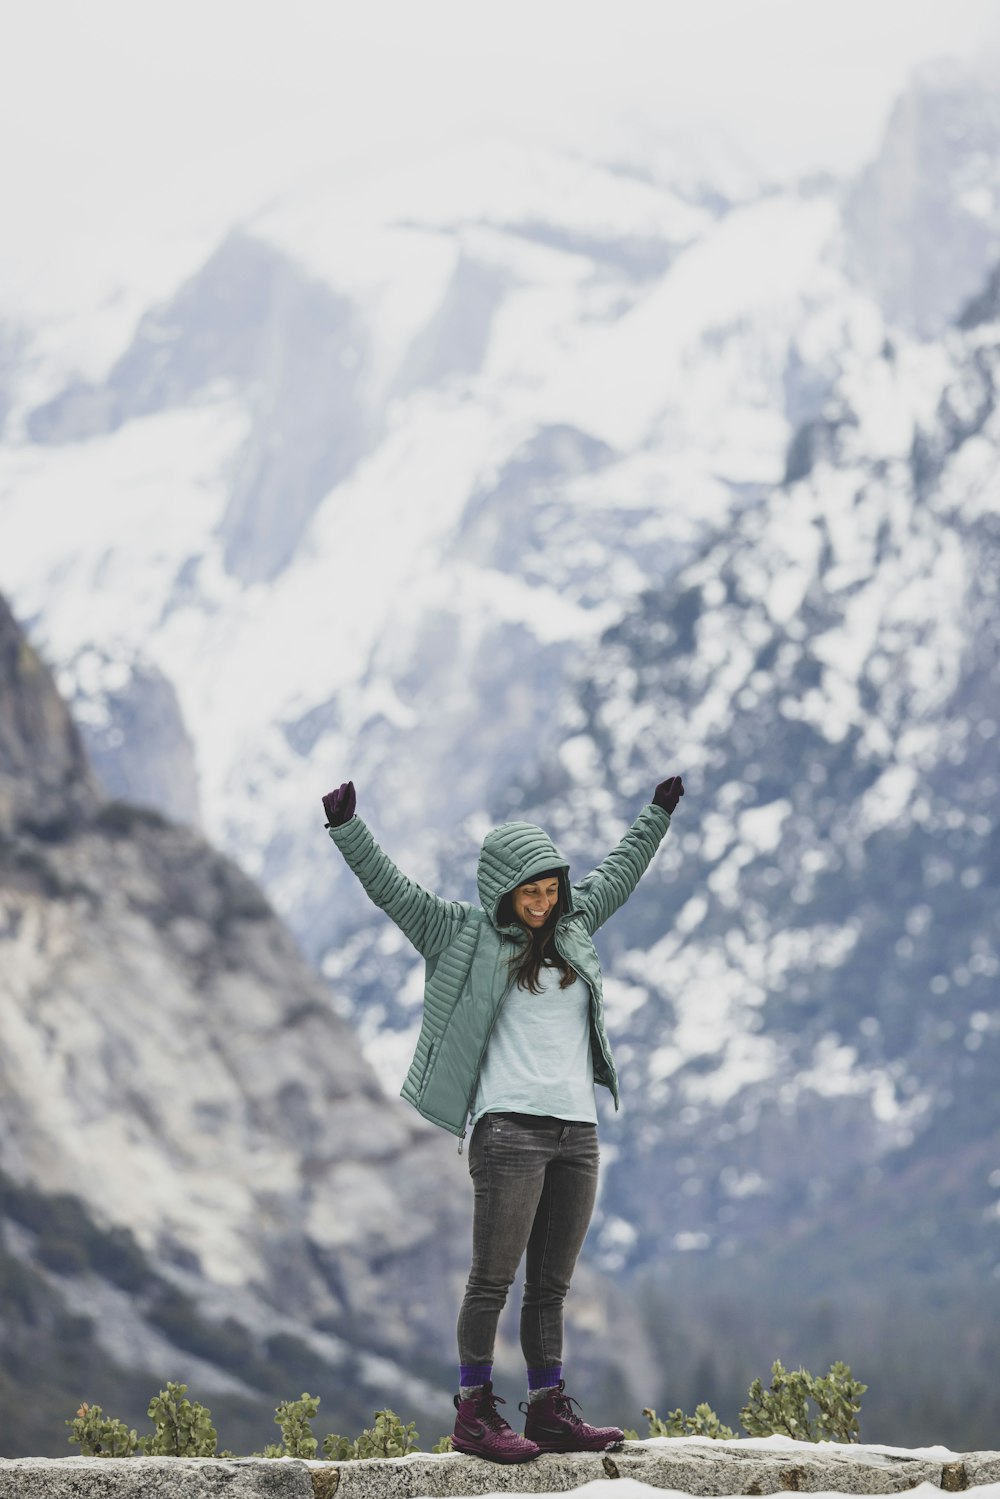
column 429, row 922
column 609, row 886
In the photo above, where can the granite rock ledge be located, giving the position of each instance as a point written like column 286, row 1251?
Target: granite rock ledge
column 692, row 1468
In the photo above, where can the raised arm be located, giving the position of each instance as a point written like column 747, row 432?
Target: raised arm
column 609, row 886
column 425, row 919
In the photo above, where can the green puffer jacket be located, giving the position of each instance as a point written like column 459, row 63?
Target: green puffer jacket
column 467, row 953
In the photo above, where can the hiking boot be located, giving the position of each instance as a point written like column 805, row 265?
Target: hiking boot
column 553, row 1425
column 481, row 1431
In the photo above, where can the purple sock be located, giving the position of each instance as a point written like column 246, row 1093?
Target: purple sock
column 473, row 1377
column 541, row 1381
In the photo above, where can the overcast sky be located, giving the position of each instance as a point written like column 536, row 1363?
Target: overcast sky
column 101, row 100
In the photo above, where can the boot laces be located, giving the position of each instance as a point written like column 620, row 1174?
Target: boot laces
column 488, row 1413
column 563, row 1405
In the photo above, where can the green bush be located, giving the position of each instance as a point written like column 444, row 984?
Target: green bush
column 338, row 1449
column 293, row 1416
column 797, row 1404
column 182, row 1428
column 704, row 1423
column 785, row 1407
column 387, row 1438
column 101, row 1436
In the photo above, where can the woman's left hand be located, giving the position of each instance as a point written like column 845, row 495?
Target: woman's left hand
column 668, row 793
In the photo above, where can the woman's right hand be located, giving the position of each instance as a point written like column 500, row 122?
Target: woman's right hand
column 339, row 805
column 668, row 793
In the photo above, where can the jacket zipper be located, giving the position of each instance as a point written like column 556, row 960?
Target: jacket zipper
column 427, row 1070
column 479, row 1063
column 604, row 1050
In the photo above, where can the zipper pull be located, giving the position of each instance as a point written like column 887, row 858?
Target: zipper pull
column 461, row 1142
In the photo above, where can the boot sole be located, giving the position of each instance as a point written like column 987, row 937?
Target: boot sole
column 495, row 1457
column 613, row 1446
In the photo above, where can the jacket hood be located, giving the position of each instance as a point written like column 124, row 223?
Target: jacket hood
column 510, row 855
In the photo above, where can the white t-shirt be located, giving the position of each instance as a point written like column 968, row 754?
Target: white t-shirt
column 538, row 1059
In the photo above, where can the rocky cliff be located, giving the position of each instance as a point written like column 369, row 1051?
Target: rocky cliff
column 168, row 1060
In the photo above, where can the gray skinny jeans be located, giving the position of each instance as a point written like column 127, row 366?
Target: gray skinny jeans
column 535, row 1182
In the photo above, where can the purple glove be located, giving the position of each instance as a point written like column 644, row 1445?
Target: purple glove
column 339, row 805
column 668, row 793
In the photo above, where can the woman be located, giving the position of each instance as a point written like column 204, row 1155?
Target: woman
column 512, row 1042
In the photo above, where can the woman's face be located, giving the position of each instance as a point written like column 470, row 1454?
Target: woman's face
column 535, row 901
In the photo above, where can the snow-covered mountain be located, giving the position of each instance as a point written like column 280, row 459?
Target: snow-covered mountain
column 268, row 575
column 510, row 484
column 923, row 221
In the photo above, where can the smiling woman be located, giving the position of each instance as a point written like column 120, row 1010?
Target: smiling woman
column 512, row 1043
column 534, row 901
column 537, row 905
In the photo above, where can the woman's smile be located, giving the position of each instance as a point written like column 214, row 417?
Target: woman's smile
column 534, row 901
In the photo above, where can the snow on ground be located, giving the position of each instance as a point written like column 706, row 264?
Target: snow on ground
column 631, row 1488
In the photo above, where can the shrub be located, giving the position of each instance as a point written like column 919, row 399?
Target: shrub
column 101, row 1436
column 704, row 1423
column 785, row 1406
column 182, row 1428
column 338, row 1449
column 797, row 1404
column 387, row 1438
column 293, row 1416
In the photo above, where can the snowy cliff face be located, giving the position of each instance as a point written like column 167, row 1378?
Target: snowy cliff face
column 923, row 221
column 508, row 488
column 806, row 983
column 251, row 322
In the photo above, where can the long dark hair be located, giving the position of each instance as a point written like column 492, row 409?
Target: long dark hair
column 524, row 964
